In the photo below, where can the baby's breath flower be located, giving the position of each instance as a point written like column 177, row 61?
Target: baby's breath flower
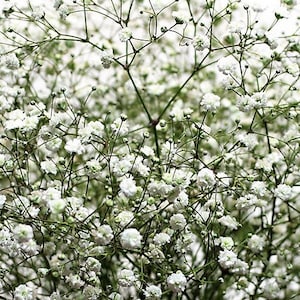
column 153, row 292
column 131, row 239
column 177, row 282
column 128, row 186
column 126, row 278
column 256, row 243
column 49, row 167
column 178, row 222
column 125, row 34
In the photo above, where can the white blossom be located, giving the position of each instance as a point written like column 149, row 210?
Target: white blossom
column 128, row 186
column 126, row 278
column 103, row 235
column 125, row 34
column 178, row 222
column 210, row 102
column 153, row 292
column 177, row 282
column 49, row 167
column 131, row 239
column 256, row 243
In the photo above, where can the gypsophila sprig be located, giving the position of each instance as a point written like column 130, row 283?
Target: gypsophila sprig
column 149, row 149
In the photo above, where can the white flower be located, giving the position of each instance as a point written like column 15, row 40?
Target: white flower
column 38, row 13
column 115, row 296
column 283, row 191
column 125, row 34
column 178, row 222
column 12, row 62
column 161, row 239
column 246, row 201
column 15, row 119
column 247, row 103
column 75, row 281
column 236, row 26
column 256, row 243
column 249, row 140
column 29, row 123
column 93, row 264
column 201, row 42
column 181, row 17
column 126, row 278
column 74, row 146
column 177, row 282
column 23, row 233
column 227, row 259
column 93, row 128
column 5, row 103
column 147, row 151
column 131, row 239
column 152, row 292
column 255, row 5
column 259, row 188
column 206, row 178
column 270, row 288
column 227, row 65
column 49, row 166
column 124, row 218
column 57, row 205
column 2, row 201
column 226, row 242
column 23, row 292
column 107, row 59
column 103, row 235
column 119, row 126
column 128, row 187
column 229, row 222
column 210, row 102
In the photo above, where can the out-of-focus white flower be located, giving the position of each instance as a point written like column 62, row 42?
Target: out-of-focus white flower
column 227, row 65
column 206, row 178
column 181, row 17
column 12, row 62
column 124, row 218
column 259, row 188
column 23, row 233
column 49, row 166
column 147, row 151
column 283, row 191
column 74, row 281
column 125, row 34
column 57, row 205
column 256, row 243
column 270, row 288
column 210, row 102
column 2, row 200
column 177, row 282
column 153, row 292
column 229, row 222
column 126, row 278
column 131, row 239
column 74, row 146
column 201, row 42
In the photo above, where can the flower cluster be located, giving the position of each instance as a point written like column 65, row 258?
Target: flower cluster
column 149, row 149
